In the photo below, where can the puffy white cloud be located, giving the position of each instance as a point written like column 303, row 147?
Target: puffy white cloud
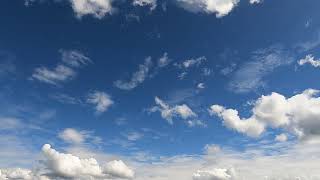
column 70, row 166
column 299, row 115
column 214, row 174
column 137, row 78
column 309, row 59
column 219, row 7
column 168, row 112
column 101, row 100
column 74, row 58
column 59, row 74
column 151, row 3
column 97, row 8
column 72, row 136
column 250, row 75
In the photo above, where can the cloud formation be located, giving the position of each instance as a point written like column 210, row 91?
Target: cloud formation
column 151, row 3
column 219, row 7
column 214, row 174
column 72, row 136
column 299, row 115
column 101, row 100
column 309, row 59
column 96, row 8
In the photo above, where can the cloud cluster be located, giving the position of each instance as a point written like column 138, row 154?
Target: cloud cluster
column 218, row 7
column 101, row 100
column 298, row 115
column 309, row 59
column 183, row 111
column 64, row 71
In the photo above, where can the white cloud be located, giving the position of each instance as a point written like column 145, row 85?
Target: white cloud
column 299, row 115
column 74, row 58
column 137, row 77
column 101, row 100
column 133, row 136
column 72, row 136
column 219, row 7
column 191, row 62
column 255, row 1
column 164, row 60
column 168, row 112
column 59, row 74
column 250, row 75
column 281, row 137
column 70, row 166
column 201, row 86
column 214, row 174
column 96, row 8
column 151, row 3
column 309, row 59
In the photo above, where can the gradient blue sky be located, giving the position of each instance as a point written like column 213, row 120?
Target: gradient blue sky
column 252, row 50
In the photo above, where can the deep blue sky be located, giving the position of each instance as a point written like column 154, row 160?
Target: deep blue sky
column 34, row 36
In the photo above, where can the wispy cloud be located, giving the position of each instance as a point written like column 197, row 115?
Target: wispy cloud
column 101, row 100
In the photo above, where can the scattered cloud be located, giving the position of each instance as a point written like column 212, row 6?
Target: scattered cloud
column 201, row 86
column 255, row 1
column 96, row 8
column 250, row 75
column 298, row 115
column 151, row 3
column 164, row 60
column 195, row 123
column 309, row 59
column 190, row 63
column 219, row 7
column 167, row 112
column 64, row 71
column 133, row 136
column 101, row 100
column 228, row 70
column 72, row 136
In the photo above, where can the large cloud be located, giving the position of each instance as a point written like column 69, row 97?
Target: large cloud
column 299, row 115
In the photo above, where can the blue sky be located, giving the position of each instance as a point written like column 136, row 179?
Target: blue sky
column 145, row 82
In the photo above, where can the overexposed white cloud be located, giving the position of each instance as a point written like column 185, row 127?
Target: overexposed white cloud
column 183, row 111
column 218, row 7
column 137, row 78
column 101, row 100
column 299, row 115
column 151, row 3
column 74, row 58
column 96, row 8
column 251, row 75
column 309, row 59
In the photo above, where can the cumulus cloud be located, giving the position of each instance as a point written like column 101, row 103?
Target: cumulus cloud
column 137, row 78
column 298, row 115
column 214, row 174
column 250, row 75
column 101, row 100
column 64, row 71
column 151, row 3
column 309, row 59
column 74, row 58
column 96, row 8
column 218, row 7
column 183, row 111
column 70, row 166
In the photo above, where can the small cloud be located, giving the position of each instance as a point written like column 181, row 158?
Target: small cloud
column 309, row 59
column 59, row 74
column 151, row 3
column 201, row 86
column 133, row 136
column 101, row 100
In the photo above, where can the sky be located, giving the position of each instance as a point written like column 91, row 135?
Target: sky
column 159, row 89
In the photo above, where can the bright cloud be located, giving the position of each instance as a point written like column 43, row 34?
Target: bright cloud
column 298, row 115
column 72, row 136
column 101, row 100
column 309, row 59
column 96, row 8
column 151, row 3
column 218, row 7
column 183, row 111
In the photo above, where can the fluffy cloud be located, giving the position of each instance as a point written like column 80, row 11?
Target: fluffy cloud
column 168, row 112
column 64, row 71
column 70, row 166
column 74, row 58
column 137, row 78
column 219, row 7
column 250, row 75
column 101, row 100
column 151, row 3
column 97, row 8
column 72, row 136
column 309, row 59
column 298, row 115
column 215, row 174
